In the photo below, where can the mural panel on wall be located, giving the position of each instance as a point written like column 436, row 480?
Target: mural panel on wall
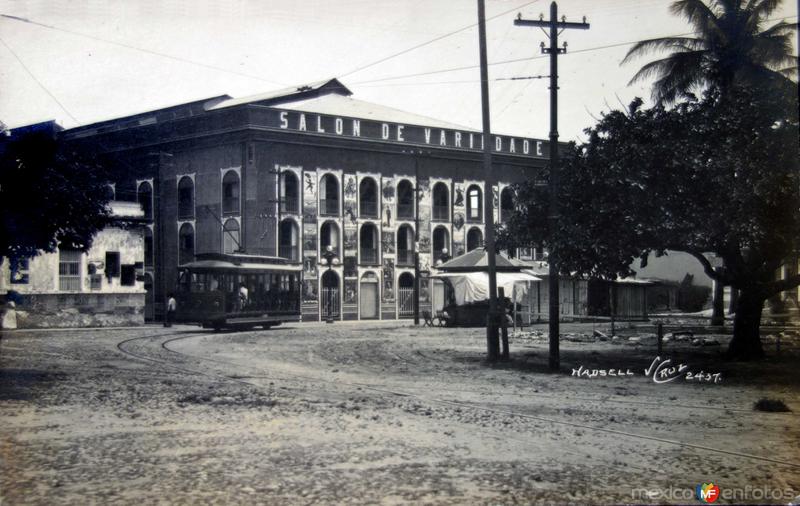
column 310, row 290
column 424, row 291
column 310, row 238
column 388, row 202
column 458, row 196
column 387, row 242
column 310, row 196
column 388, row 280
column 350, row 291
column 350, row 266
column 350, row 221
column 310, row 267
column 424, row 213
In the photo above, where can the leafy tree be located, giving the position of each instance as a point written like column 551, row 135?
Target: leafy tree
column 731, row 46
column 51, row 194
column 717, row 175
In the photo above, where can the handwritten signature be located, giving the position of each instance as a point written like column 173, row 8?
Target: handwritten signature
column 660, row 370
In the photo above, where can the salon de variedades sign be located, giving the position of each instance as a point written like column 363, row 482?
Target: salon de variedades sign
column 335, row 126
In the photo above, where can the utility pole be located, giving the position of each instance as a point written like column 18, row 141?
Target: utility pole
column 556, row 27
column 492, row 338
column 416, row 238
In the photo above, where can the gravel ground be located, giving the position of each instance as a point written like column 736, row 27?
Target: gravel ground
column 386, row 413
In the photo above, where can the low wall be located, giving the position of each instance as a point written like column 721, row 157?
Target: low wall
column 79, row 310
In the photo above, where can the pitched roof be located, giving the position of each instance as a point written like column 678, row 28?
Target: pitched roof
column 331, row 97
column 290, row 94
column 478, row 260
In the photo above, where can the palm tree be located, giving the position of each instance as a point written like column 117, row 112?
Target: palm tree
column 730, row 46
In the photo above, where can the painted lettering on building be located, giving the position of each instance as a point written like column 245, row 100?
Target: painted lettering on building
column 404, row 134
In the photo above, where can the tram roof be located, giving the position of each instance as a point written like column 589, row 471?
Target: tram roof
column 240, row 262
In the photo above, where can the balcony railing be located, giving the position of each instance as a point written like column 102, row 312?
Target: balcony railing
column 369, row 256
column 288, row 252
column 405, row 257
column 405, row 210
column 441, row 213
column 329, row 207
column 290, row 205
column 474, row 215
column 368, row 209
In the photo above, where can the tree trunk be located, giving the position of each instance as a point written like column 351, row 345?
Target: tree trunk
column 746, row 342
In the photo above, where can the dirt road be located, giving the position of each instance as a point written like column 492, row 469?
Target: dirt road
column 385, row 413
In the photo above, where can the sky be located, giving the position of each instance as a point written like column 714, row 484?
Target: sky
column 95, row 60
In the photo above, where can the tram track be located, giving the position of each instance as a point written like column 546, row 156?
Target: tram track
column 386, row 390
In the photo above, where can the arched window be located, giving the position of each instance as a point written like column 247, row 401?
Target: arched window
column 230, row 192
column 368, row 244
column 405, row 245
column 368, row 198
column 186, row 243
column 474, row 203
column 474, row 238
column 406, row 280
column 405, row 200
column 185, row 198
column 441, row 202
column 145, row 197
column 290, row 193
column 329, row 196
column 506, row 203
column 230, row 237
column 441, row 243
column 288, row 240
column 148, row 247
column 329, row 236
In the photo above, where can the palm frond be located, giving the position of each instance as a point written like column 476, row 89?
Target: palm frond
column 761, row 9
column 700, row 15
column 782, row 28
column 681, row 74
column 663, row 44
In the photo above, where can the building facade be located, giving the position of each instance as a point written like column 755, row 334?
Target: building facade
column 102, row 287
column 292, row 173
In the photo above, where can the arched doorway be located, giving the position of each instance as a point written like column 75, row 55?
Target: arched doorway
column 506, row 204
column 441, row 202
column 405, row 295
column 368, row 198
column 288, row 240
column 330, row 294
column 441, row 242
column 474, row 238
column 368, row 296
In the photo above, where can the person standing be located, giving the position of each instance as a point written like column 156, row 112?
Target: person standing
column 244, row 295
column 172, row 305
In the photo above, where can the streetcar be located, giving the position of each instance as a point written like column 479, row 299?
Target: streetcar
column 238, row 291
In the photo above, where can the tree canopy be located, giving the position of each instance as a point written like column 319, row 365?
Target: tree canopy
column 717, row 175
column 730, row 44
column 51, row 194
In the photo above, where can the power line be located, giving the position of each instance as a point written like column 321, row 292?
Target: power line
column 518, row 60
column 135, row 48
column 362, row 67
column 41, row 85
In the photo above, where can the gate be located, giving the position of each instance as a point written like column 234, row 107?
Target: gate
column 405, row 302
column 330, row 299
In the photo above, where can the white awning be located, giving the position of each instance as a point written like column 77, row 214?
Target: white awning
column 474, row 286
